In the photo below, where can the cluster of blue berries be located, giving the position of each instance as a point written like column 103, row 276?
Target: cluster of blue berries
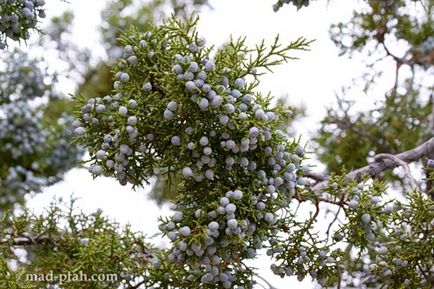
column 394, row 265
column 24, row 78
column 176, row 110
column 34, row 152
column 382, row 222
column 18, row 17
column 33, row 155
column 18, row 181
column 21, row 130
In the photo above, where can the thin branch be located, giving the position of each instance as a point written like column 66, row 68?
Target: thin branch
column 27, row 240
column 318, row 200
column 265, row 280
column 431, row 117
column 377, row 167
column 395, row 85
column 429, row 182
column 155, row 87
column 399, row 60
column 401, row 163
column 332, row 222
column 137, row 285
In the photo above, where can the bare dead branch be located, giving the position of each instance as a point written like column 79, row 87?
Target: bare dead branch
column 403, row 164
column 379, row 166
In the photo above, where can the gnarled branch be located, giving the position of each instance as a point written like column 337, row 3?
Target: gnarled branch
column 401, row 163
column 382, row 164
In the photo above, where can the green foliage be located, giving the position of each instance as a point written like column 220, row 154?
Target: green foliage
column 401, row 121
column 66, row 241
column 118, row 17
column 164, row 191
column 297, row 3
column 378, row 251
column 388, row 242
column 161, row 122
column 11, row 279
column 400, row 254
column 154, row 86
column 98, row 82
column 190, row 116
column 234, row 63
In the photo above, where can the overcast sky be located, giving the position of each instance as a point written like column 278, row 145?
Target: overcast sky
column 312, row 81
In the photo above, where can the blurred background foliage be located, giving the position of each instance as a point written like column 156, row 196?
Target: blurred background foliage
column 399, row 34
column 35, row 129
column 347, row 138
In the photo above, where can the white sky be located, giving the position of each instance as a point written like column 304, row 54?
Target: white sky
column 312, row 80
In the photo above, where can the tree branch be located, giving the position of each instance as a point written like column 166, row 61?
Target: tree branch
column 380, row 165
column 319, row 177
column 266, row 282
column 27, row 240
column 332, row 222
column 402, row 163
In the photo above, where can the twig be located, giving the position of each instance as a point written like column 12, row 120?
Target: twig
column 28, row 240
column 155, row 87
column 332, row 222
column 399, row 60
column 431, row 116
column 401, row 163
column 265, row 280
column 137, row 285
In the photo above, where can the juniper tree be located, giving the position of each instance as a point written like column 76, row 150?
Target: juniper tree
column 192, row 114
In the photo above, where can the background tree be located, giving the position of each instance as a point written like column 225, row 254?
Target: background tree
column 404, row 41
column 35, row 135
